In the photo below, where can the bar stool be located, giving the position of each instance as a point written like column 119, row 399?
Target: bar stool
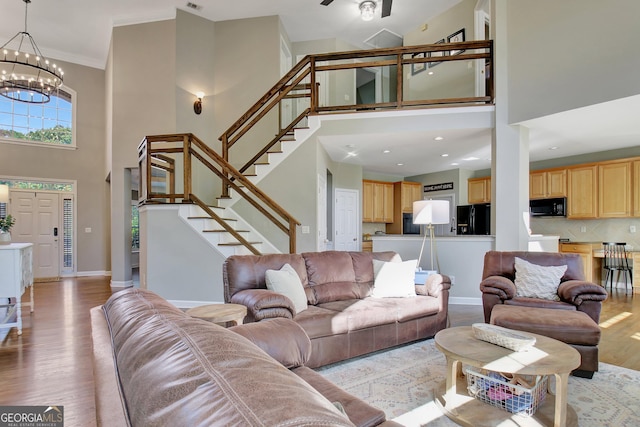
column 616, row 259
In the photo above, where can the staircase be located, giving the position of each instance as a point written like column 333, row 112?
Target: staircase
column 213, row 232
column 166, row 161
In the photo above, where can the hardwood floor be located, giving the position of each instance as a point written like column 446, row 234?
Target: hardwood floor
column 50, row 363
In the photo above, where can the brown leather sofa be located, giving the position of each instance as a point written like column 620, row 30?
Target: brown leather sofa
column 156, row 366
column 342, row 319
column 573, row 319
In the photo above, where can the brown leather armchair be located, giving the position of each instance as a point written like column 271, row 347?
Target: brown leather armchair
column 573, row 319
column 575, row 292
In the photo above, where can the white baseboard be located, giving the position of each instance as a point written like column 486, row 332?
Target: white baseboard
column 465, row 301
column 86, row 274
column 121, row 284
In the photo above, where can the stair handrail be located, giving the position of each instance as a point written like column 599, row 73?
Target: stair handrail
column 310, row 64
column 225, row 171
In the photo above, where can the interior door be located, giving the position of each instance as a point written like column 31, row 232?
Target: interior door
column 347, row 218
column 322, row 213
column 37, row 222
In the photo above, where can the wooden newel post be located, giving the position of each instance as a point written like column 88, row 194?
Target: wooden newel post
column 186, row 154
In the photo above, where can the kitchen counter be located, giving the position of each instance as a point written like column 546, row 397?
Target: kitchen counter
column 460, row 257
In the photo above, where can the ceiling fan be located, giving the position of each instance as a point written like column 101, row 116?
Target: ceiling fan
column 386, row 6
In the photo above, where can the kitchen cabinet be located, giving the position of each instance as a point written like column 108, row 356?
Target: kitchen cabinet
column 636, row 188
column 377, row 201
column 548, row 184
column 409, row 193
column 585, row 250
column 404, row 194
column 367, row 246
column 479, row 190
column 582, row 191
column 614, row 189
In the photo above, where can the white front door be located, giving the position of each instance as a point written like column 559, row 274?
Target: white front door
column 347, row 218
column 37, row 221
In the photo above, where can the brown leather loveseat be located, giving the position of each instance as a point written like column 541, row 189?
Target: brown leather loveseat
column 342, row 319
column 156, row 366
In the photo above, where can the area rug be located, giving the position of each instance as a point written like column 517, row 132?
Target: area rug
column 401, row 381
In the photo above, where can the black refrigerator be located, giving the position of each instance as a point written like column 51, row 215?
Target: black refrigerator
column 474, row 219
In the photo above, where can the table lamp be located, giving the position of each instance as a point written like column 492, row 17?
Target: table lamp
column 430, row 212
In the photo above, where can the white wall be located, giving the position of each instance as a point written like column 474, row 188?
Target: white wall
column 176, row 263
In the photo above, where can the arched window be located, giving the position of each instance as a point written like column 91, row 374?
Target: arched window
column 40, row 124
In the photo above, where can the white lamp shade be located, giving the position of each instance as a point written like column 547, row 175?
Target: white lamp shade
column 4, row 193
column 431, row 212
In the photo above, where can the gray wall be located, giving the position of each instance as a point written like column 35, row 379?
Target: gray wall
column 85, row 165
column 560, row 54
column 143, row 77
column 448, row 79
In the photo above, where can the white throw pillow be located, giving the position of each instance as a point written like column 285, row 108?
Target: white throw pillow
column 538, row 281
column 394, row 279
column 287, row 282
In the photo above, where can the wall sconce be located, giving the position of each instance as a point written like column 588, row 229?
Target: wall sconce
column 197, row 105
column 367, row 10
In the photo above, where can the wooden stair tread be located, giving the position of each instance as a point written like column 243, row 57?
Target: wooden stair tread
column 224, row 231
column 208, row 217
column 237, row 244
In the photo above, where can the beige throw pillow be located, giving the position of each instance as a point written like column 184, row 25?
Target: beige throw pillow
column 537, row 281
column 287, row 282
column 394, row 279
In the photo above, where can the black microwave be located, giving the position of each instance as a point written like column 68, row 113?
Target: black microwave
column 548, row 207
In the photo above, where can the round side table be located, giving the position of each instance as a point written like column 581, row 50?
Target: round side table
column 219, row 313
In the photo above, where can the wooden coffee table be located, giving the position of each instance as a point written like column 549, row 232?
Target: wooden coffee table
column 547, row 357
column 220, row 313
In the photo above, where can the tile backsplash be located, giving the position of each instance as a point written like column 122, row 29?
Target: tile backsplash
column 590, row 230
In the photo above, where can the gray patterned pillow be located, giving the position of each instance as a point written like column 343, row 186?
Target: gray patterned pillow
column 538, row 281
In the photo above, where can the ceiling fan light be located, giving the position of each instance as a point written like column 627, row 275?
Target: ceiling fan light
column 367, row 10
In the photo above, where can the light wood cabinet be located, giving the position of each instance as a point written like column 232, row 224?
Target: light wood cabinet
column 404, row 194
column 636, row 188
column 548, row 184
column 479, row 190
column 585, row 250
column 377, row 201
column 409, row 193
column 582, row 194
column 614, row 189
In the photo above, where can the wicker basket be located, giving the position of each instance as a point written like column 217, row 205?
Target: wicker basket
column 508, row 338
column 506, row 393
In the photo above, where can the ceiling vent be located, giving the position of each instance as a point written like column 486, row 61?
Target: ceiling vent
column 194, row 6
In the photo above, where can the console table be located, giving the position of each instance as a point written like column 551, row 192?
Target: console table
column 16, row 275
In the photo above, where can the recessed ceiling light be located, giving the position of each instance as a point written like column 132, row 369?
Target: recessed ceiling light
column 468, row 159
column 351, row 154
column 553, row 148
column 386, row 151
column 444, row 155
column 400, row 164
column 438, row 138
column 455, row 164
column 430, row 73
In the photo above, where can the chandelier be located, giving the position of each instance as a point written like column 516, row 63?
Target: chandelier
column 25, row 74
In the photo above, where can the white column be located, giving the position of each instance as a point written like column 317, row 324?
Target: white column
column 509, row 150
